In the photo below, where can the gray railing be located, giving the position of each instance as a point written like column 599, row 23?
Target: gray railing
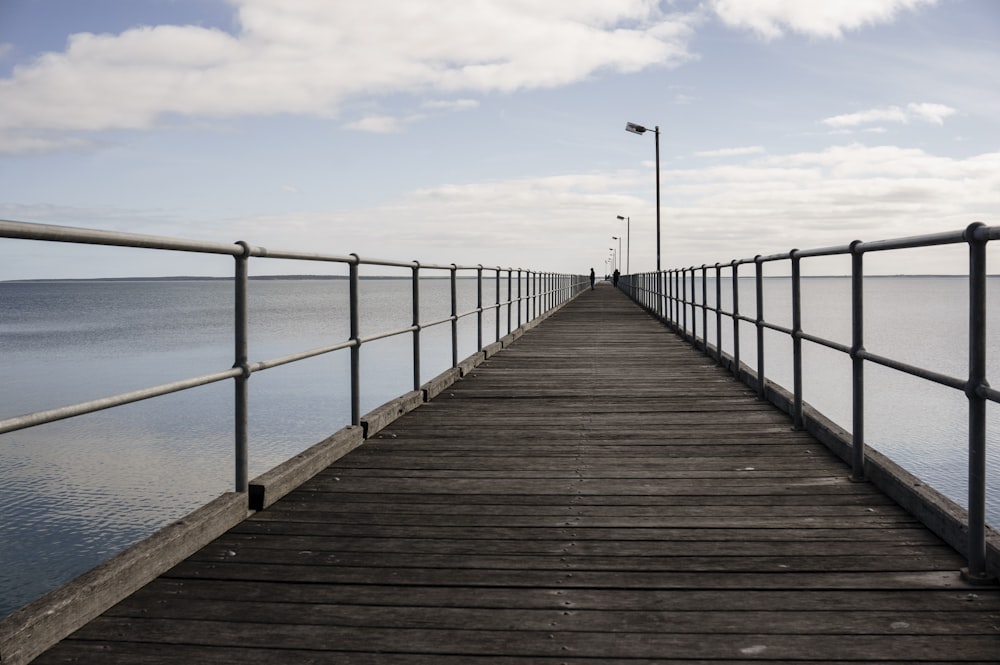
column 673, row 294
column 536, row 294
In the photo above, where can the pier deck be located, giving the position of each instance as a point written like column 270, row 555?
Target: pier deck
column 598, row 492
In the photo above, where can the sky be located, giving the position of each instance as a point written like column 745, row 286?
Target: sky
column 493, row 131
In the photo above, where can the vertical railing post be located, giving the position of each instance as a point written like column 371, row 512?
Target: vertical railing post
column 510, row 297
column 683, row 290
column 534, row 296
column 672, row 297
column 694, row 307
column 415, row 288
column 759, row 282
column 976, row 570
column 519, row 300
column 648, row 288
column 704, row 307
column 356, row 347
column 736, row 318
column 663, row 287
column 479, row 307
column 655, row 292
column 454, row 315
column 549, row 297
column 668, row 305
column 797, row 422
column 496, row 310
column 679, row 311
column 718, row 313
column 857, row 363
column 668, row 289
column 240, row 353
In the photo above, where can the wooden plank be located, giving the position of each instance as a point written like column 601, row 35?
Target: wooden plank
column 557, row 640
column 146, row 654
column 741, row 618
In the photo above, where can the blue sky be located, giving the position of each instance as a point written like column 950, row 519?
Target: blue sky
column 494, row 132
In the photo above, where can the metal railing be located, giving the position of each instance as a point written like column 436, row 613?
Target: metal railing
column 666, row 295
column 536, row 294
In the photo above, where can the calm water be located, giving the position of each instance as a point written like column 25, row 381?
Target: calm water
column 78, row 491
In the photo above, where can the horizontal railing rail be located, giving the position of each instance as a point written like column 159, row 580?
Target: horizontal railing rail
column 666, row 295
column 537, row 293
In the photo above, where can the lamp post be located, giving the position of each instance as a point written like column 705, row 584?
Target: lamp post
column 639, row 129
column 628, row 244
column 619, row 239
column 614, row 263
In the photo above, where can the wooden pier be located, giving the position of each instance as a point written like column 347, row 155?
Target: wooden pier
column 599, row 492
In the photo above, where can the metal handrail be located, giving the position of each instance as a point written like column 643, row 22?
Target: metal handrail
column 665, row 295
column 543, row 292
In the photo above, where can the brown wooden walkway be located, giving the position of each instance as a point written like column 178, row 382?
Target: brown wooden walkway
column 599, row 492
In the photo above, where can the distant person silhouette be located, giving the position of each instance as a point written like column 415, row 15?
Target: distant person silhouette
column 614, row 277
column 592, row 279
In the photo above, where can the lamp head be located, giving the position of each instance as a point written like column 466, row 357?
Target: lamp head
column 634, row 128
column 620, row 217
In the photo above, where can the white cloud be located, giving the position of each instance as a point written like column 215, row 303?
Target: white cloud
column 377, row 124
column 829, row 19
column 889, row 114
column 451, row 105
column 732, row 152
column 932, row 113
column 309, row 56
column 813, row 199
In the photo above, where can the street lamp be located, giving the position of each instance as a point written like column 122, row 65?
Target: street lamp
column 639, row 129
column 619, row 239
column 628, row 245
column 613, row 262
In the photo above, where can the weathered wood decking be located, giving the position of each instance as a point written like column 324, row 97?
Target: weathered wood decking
column 599, row 492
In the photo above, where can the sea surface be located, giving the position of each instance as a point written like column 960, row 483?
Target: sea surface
column 75, row 492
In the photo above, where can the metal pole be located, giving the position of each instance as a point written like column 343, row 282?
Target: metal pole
column 796, row 340
column 628, row 245
column 736, row 319
column 683, row 292
column 761, row 392
column 976, row 570
column 657, row 140
column 535, row 278
column 718, row 312
column 454, row 315
column 510, row 296
column 356, row 349
column 479, row 307
column 519, row 306
column 242, row 393
column 857, row 363
column 704, row 307
column 416, row 325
